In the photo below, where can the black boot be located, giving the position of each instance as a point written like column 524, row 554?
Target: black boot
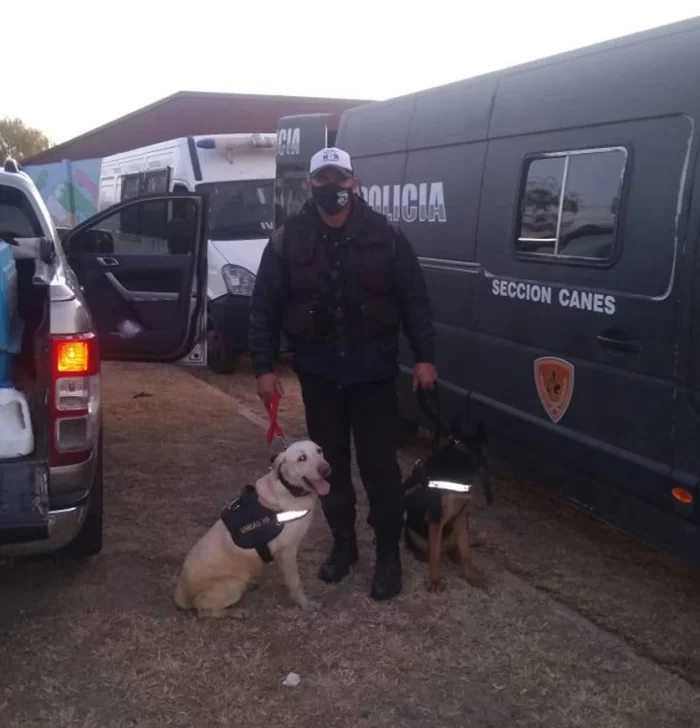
column 343, row 555
column 386, row 582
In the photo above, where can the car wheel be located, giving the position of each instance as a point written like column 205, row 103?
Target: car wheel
column 221, row 360
column 88, row 542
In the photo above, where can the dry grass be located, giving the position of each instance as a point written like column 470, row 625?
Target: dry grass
column 647, row 598
column 103, row 645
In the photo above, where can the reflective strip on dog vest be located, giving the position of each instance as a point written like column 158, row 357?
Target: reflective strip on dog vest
column 252, row 525
column 450, row 486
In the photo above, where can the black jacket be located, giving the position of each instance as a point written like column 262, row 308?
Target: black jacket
column 347, row 362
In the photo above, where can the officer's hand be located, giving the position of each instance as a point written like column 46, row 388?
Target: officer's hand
column 267, row 385
column 424, row 376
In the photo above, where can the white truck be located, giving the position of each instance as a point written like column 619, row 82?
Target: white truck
column 235, row 175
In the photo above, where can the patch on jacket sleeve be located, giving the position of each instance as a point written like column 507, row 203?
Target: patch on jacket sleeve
column 251, row 525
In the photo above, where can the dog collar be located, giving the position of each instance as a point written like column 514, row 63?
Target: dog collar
column 294, row 490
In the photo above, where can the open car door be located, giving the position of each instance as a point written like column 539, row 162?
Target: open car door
column 142, row 267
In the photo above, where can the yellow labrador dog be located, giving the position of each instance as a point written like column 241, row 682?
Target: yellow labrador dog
column 266, row 523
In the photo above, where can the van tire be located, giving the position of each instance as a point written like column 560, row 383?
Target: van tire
column 88, row 542
column 219, row 359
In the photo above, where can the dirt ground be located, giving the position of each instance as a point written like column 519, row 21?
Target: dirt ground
column 581, row 626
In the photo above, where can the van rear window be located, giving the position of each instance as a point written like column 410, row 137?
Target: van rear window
column 569, row 204
column 17, row 217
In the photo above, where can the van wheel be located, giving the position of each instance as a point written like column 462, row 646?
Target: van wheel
column 220, row 359
column 88, row 542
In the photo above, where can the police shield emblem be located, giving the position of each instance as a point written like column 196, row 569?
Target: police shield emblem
column 554, row 378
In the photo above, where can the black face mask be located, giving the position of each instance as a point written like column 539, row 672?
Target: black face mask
column 331, row 198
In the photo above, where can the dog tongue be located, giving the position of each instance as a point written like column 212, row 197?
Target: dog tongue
column 322, row 487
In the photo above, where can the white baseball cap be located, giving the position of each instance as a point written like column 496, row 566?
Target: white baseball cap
column 331, row 157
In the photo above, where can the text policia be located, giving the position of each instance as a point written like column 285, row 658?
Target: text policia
column 583, row 300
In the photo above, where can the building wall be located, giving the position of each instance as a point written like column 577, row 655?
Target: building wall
column 69, row 189
column 185, row 114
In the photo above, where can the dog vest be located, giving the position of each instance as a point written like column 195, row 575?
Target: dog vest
column 252, row 525
column 448, row 468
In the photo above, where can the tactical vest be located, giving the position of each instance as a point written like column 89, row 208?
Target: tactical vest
column 343, row 285
column 252, row 525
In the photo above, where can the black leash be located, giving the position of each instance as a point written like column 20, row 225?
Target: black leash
column 441, row 428
column 435, row 416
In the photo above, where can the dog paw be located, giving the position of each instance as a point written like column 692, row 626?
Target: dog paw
column 434, row 586
column 238, row 613
column 309, row 606
column 475, row 579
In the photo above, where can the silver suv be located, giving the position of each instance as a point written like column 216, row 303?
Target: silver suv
column 127, row 284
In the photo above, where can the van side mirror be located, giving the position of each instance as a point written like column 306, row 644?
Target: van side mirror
column 47, row 251
column 63, row 232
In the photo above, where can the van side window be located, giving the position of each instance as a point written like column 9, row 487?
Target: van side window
column 155, row 182
column 569, row 204
column 131, row 186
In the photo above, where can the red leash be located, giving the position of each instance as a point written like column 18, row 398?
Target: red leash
column 274, row 429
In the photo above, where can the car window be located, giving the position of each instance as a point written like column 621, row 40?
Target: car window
column 569, row 204
column 17, row 216
column 144, row 183
column 152, row 227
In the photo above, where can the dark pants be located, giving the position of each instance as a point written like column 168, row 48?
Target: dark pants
column 370, row 413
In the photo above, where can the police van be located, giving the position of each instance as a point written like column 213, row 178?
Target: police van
column 555, row 208
column 235, row 173
column 299, row 137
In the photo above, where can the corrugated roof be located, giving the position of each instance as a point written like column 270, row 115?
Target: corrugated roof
column 186, row 113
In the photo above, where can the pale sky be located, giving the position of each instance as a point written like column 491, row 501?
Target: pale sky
column 83, row 63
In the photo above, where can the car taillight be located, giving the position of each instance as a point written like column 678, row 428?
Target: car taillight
column 72, row 357
column 75, row 397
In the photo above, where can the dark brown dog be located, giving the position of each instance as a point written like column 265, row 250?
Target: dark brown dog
column 438, row 497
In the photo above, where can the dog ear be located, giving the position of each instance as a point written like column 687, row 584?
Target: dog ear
column 276, row 461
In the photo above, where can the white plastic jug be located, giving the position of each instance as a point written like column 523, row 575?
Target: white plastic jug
column 16, row 433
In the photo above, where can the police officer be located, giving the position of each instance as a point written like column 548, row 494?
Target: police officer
column 339, row 280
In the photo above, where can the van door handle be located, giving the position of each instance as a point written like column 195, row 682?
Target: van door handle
column 619, row 341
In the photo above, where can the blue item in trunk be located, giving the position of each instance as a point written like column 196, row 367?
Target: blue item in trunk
column 8, row 295
column 5, row 369
column 10, row 326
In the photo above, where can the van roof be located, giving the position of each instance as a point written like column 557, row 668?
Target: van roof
column 679, row 27
column 253, row 140
column 652, row 73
